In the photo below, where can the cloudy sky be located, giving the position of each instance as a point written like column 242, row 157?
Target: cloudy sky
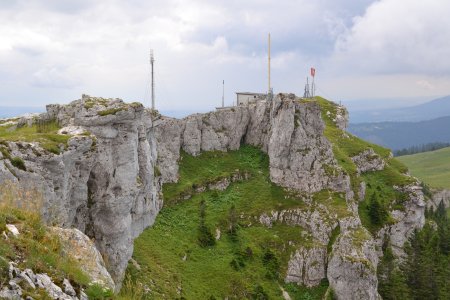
column 53, row 51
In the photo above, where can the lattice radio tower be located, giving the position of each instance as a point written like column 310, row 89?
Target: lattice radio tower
column 152, row 61
column 307, row 94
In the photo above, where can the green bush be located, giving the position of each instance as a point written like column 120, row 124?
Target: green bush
column 377, row 211
column 205, row 237
column 18, row 163
column 111, row 111
column 5, row 152
column 259, row 293
column 272, row 264
column 97, row 292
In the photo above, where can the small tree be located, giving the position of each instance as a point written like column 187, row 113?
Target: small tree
column 205, row 237
column 232, row 223
column 377, row 212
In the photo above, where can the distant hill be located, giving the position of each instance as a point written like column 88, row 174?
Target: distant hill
column 400, row 135
column 427, row 111
column 431, row 167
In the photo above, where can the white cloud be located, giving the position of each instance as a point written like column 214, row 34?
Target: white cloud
column 398, row 37
column 66, row 48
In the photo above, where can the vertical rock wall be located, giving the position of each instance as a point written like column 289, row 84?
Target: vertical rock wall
column 104, row 183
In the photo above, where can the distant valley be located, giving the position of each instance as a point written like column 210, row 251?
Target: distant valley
column 400, row 135
column 426, row 111
column 410, row 126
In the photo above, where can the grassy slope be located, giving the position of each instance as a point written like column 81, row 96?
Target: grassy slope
column 431, row 167
column 41, row 250
column 206, row 271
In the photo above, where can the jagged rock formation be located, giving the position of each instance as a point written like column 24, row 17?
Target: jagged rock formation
column 103, row 183
column 367, row 161
column 34, row 281
column 352, row 265
column 291, row 132
column 406, row 220
column 307, row 266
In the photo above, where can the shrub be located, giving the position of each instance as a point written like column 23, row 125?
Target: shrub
column 5, row 152
column 156, row 171
column 232, row 223
column 205, row 237
column 111, row 111
column 272, row 264
column 18, row 163
column 377, row 212
column 259, row 293
column 97, row 292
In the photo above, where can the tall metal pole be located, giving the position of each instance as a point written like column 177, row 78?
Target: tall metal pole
column 269, row 63
column 223, row 93
column 152, row 60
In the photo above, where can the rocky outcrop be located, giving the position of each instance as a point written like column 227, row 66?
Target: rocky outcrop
column 317, row 220
column 367, row 161
column 352, row 264
column 103, row 183
column 307, row 266
column 20, row 280
column 78, row 246
column 107, row 180
column 411, row 217
column 301, row 157
column 289, row 130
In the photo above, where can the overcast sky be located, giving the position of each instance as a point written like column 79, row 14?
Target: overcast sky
column 53, row 51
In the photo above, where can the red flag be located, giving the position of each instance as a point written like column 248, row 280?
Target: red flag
column 313, row 72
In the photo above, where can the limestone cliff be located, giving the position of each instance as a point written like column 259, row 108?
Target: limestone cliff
column 106, row 182
column 302, row 159
column 103, row 182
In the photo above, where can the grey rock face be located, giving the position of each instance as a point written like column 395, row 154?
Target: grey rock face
column 412, row 217
column 317, row 220
column 307, row 266
column 103, row 183
column 298, row 151
column 290, row 131
column 78, row 246
column 352, row 266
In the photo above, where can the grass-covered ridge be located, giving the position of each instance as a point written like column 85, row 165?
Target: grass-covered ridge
column 247, row 262
column 431, row 167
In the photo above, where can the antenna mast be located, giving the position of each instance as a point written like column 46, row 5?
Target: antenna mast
column 223, row 93
column 307, row 93
column 152, row 60
column 270, row 91
column 269, row 62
